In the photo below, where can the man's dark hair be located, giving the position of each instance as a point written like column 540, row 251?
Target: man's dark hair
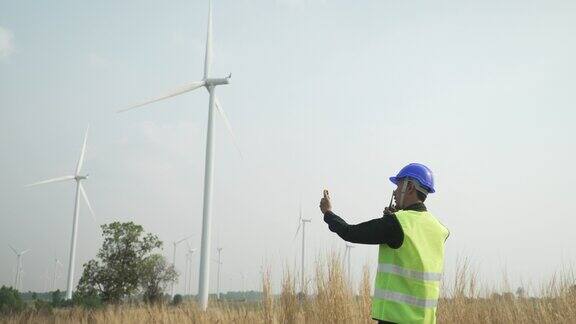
column 421, row 195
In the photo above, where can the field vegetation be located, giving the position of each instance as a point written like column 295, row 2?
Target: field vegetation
column 331, row 299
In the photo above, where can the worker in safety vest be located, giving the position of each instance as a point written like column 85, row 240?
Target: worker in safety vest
column 411, row 255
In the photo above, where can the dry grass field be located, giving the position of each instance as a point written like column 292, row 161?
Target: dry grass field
column 332, row 301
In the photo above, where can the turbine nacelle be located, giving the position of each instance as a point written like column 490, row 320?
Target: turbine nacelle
column 212, row 82
column 80, row 177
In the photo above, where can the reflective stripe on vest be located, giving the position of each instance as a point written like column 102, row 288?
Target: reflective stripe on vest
column 413, row 274
column 402, row 298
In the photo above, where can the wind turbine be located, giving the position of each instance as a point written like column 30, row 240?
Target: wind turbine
column 79, row 191
column 57, row 264
column 302, row 224
column 22, row 273
column 189, row 268
column 347, row 259
column 218, row 282
column 19, row 271
column 175, row 244
column 210, row 85
column 46, row 280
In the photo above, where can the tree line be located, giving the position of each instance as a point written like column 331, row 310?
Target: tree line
column 127, row 267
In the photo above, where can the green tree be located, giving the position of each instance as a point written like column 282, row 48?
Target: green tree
column 156, row 275
column 177, row 300
column 122, row 261
column 56, row 298
column 10, row 301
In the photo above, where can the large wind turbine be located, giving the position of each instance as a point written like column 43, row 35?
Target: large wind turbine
column 210, row 85
column 18, row 279
column 79, row 191
column 302, row 224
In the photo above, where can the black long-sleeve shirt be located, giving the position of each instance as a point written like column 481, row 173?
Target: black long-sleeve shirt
column 384, row 230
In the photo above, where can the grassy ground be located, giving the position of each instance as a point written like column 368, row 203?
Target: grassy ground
column 332, row 301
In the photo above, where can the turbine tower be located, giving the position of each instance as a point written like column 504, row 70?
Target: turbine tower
column 218, row 282
column 302, row 223
column 175, row 244
column 19, row 271
column 57, row 264
column 349, row 247
column 79, row 191
column 210, row 85
column 189, row 260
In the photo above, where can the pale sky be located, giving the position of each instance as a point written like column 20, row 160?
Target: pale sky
column 324, row 94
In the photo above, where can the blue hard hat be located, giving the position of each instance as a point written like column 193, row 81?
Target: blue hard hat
column 418, row 172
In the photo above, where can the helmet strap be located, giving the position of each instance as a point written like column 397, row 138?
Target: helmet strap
column 402, row 193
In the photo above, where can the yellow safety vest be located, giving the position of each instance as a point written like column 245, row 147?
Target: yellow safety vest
column 407, row 284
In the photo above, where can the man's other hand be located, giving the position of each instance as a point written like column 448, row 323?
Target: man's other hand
column 325, row 204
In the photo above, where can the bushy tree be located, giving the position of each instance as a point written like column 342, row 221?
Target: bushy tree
column 122, row 262
column 156, row 275
column 177, row 300
column 56, row 299
column 10, row 301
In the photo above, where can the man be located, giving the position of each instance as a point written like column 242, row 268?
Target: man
column 411, row 255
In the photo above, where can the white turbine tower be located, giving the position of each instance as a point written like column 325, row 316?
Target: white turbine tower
column 302, row 223
column 19, row 271
column 219, row 265
column 347, row 259
column 79, row 191
column 46, row 280
column 175, row 244
column 57, row 264
column 189, row 260
column 210, row 85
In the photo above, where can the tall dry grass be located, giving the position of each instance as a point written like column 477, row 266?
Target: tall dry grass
column 467, row 301
column 331, row 299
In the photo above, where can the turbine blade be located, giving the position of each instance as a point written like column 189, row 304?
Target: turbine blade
column 297, row 231
column 227, row 123
column 187, row 237
column 87, row 202
column 81, row 159
column 13, row 249
column 189, row 87
column 21, row 253
column 208, row 54
column 70, row 177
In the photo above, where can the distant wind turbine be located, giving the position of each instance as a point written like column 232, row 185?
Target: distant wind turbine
column 175, row 244
column 46, row 280
column 57, row 264
column 210, row 85
column 347, row 259
column 189, row 260
column 219, row 265
column 302, row 223
column 19, row 270
column 79, row 191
